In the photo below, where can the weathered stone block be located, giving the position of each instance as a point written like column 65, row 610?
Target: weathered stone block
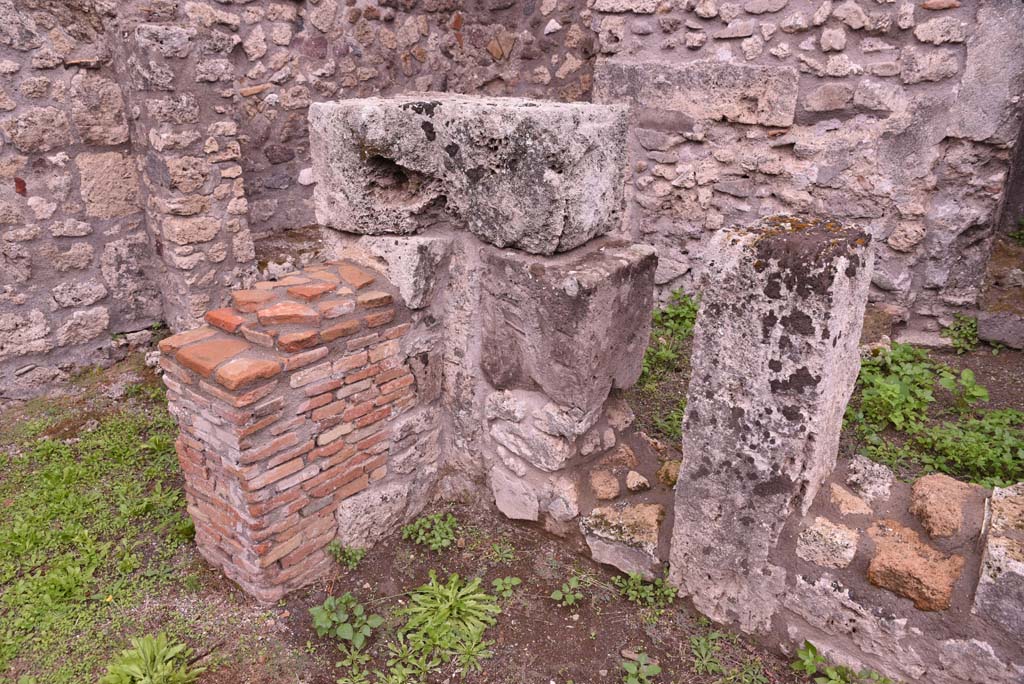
column 907, row 566
column 575, row 326
column 775, row 357
column 1000, row 594
column 539, row 176
column 625, row 537
column 703, row 90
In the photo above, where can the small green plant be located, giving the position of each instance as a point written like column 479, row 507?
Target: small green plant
column 1018, row 235
column 569, row 594
column 962, row 333
column 152, row 660
column 505, row 586
column 353, row 662
column 639, row 671
column 448, row 620
column 811, row 663
column 705, row 649
column 348, row 556
column 656, row 594
column 671, row 326
column 436, row 531
column 502, row 552
column 671, row 425
column 752, row 672
column 344, row 618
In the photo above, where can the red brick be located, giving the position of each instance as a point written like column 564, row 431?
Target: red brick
column 378, row 474
column 288, row 455
column 314, row 402
column 203, row 357
column 358, row 410
column 281, row 499
column 287, row 425
column 171, row 344
column 298, row 478
column 284, row 282
column 297, row 341
column 397, row 331
column 367, row 372
column 311, row 291
column 171, row 368
column 269, row 449
column 243, row 371
column 329, row 410
column 351, row 362
column 340, row 330
column 274, row 474
column 287, row 312
column 376, row 438
column 373, row 299
column 264, row 338
column 384, row 350
column 389, row 375
column 375, row 416
column 269, row 406
column 252, row 429
column 250, row 300
column 226, row 319
column 272, row 555
column 360, row 342
column 335, row 452
column 397, row 384
column 351, row 488
column 300, row 557
column 379, row 318
column 237, row 401
column 355, row 277
column 328, row 385
column 323, row 273
column 329, row 481
column 354, row 388
column 333, row 308
column 304, row 358
column 310, row 375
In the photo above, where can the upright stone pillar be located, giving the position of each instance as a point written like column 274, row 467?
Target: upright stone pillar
column 775, row 358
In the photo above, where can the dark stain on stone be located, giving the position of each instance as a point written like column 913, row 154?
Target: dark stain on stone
column 475, row 174
column 780, row 484
column 796, row 382
column 428, row 130
column 791, row 413
column 426, row 108
column 798, row 322
column 452, row 149
column 767, row 323
column 775, row 365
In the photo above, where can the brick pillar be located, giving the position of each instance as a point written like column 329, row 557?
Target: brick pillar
column 285, row 402
column 775, row 358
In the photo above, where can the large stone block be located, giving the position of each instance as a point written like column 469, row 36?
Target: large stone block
column 704, row 90
column 542, row 177
column 775, row 357
column 1000, row 594
column 573, row 326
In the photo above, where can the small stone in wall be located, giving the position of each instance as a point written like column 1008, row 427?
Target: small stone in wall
column 635, row 482
column 513, row 497
column 695, row 40
column 668, row 473
column 85, row 293
column 39, row 129
column 23, row 333
column 938, row 502
column 764, row 6
column 795, row 23
column 908, row 234
column 109, row 185
column 941, row 30
column 872, row 480
column 833, row 40
column 907, row 566
column 737, row 29
column 917, row 66
column 752, row 47
column 604, row 484
column 828, row 97
column 822, row 14
column 706, row 9
column 847, row 502
column 83, row 326
column 827, row 544
column 625, row 537
column 851, row 14
column 936, row 5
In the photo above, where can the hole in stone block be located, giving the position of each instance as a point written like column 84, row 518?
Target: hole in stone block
column 393, row 184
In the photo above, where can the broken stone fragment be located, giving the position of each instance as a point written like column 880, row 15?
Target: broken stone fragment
column 604, row 485
column 542, row 177
column 938, row 502
column 625, row 536
column 871, row 480
column 907, row 566
column 847, row 502
column 668, row 473
column 827, row 544
column 635, row 482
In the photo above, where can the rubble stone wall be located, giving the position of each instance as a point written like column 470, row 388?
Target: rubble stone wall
column 174, row 135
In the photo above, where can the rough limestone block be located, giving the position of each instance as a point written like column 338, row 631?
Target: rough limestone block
column 703, row 90
column 774, row 362
column 625, row 537
column 1000, row 594
column 907, row 566
column 542, row 177
column 574, row 326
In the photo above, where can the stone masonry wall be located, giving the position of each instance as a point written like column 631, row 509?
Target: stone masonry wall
column 897, row 115
column 287, row 402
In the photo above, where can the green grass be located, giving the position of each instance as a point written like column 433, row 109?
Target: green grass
column 898, row 422
column 671, row 326
column 89, row 528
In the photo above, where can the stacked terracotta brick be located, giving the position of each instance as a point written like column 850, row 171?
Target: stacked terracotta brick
column 284, row 402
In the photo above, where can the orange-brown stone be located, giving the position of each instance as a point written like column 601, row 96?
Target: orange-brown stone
column 203, row 357
column 373, row 299
column 339, row 330
column 355, row 277
column 243, row 371
column 283, row 282
column 310, row 292
column 251, row 300
column 332, row 308
column 171, row 344
column 297, row 341
column 907, row 566
column 226, row 319
column 287, row 312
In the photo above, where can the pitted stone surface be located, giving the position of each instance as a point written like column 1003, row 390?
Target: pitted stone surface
column 538, row 176
column 1000, row 593
column 775, row 357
